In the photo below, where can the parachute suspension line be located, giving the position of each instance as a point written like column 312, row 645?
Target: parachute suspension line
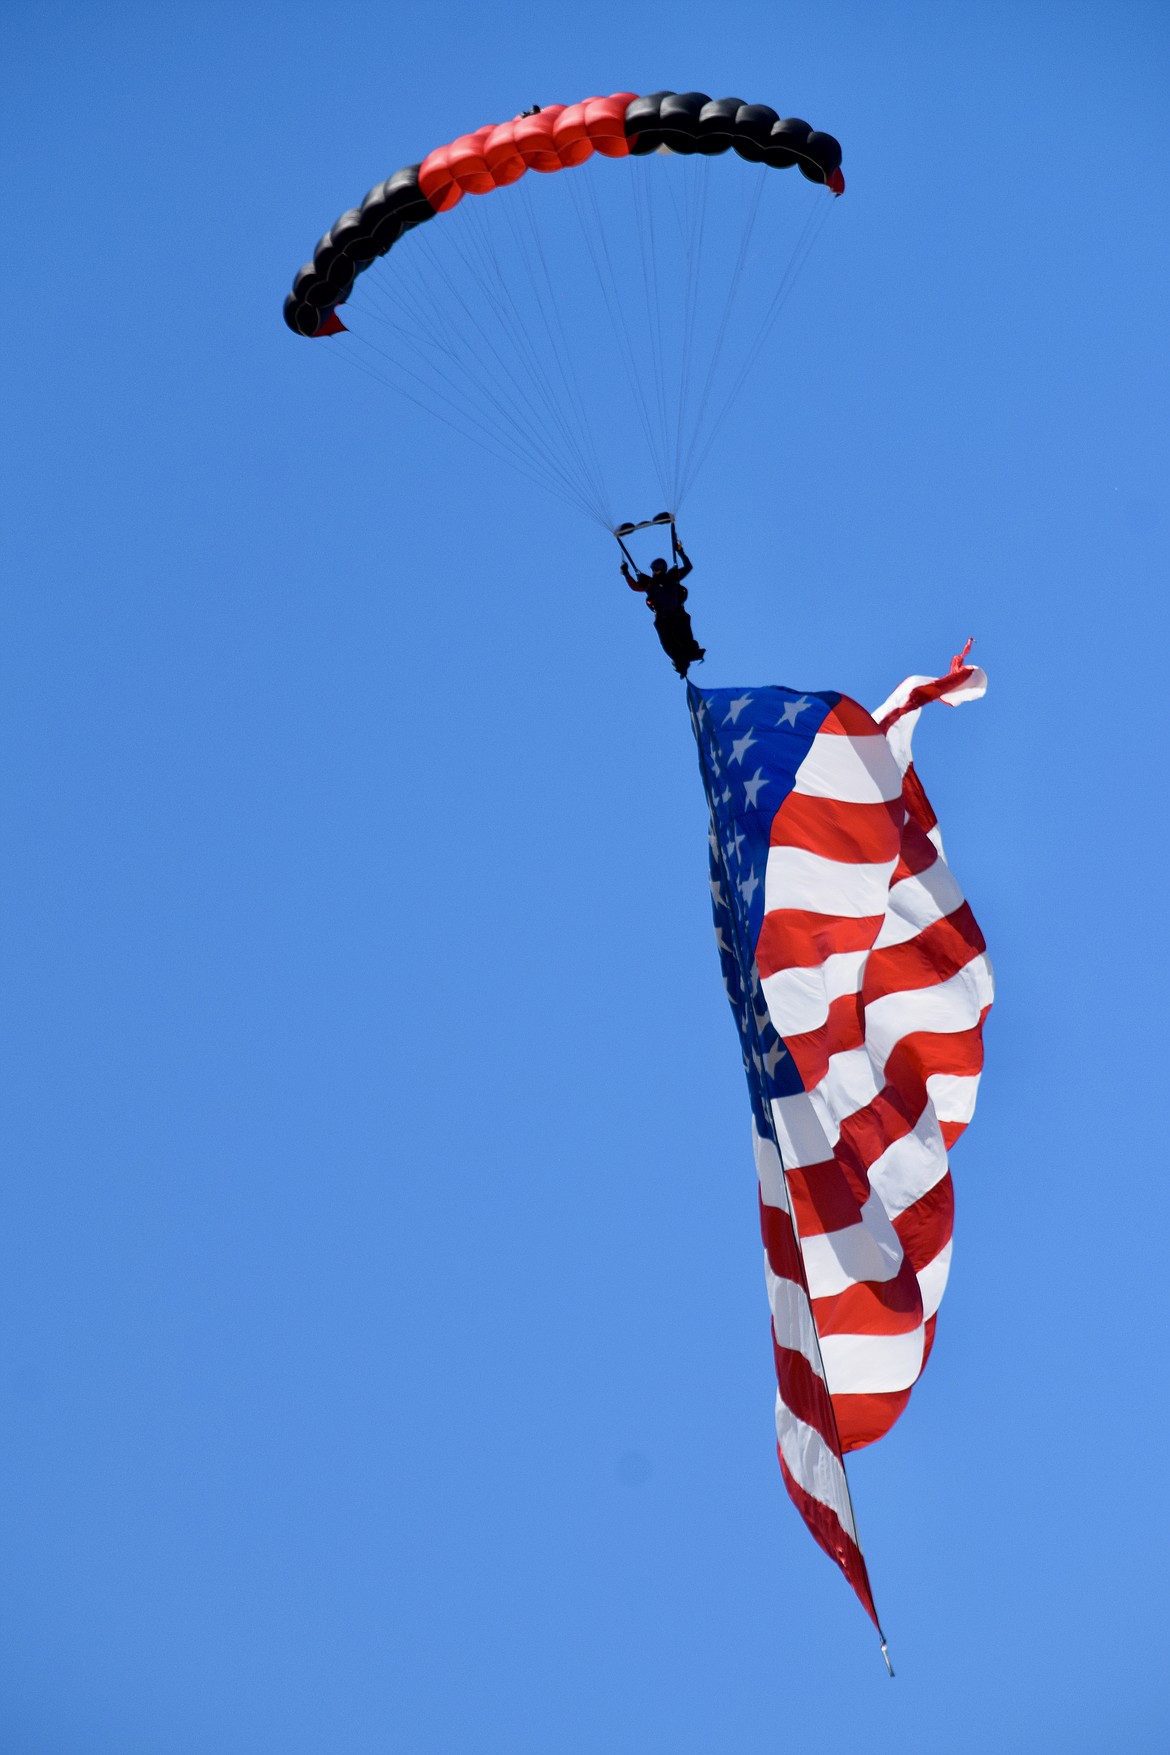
column 638, row 361
column 444, row 332
column 810, row 232
column 428, row 337
column 421, row 346
column 563, row 352
column 488, row 438
column 582, row 189
column 552, row 434
column 735, row 281
column 488, row 274
column 693, row 247
column 481, row 275
column 432, row 332
column 644, row 209
column 491, row 444
column 516, row 445
column 576, row 433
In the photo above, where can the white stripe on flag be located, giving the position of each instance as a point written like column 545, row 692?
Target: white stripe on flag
column 954, row 1005
column 799, row 999
column 918, row 902
column 813, row 1465
column 796, row 878
column 792, row 1320
column 773, row 1188
column 953, row 1095
column 932, row 1280
column 869, row 1250
column 872, row 1364
column 852, row 770
column 911, row 1166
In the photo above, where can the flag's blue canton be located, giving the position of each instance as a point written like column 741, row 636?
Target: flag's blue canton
column 751, row 743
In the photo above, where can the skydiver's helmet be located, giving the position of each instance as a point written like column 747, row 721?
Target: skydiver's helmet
column 658, row 566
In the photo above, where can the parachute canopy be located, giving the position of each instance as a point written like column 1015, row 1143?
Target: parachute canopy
column 552, row 139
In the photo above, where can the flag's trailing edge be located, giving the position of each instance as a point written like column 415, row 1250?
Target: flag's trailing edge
column 859, row 983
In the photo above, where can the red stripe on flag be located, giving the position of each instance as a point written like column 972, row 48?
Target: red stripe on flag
column 922, row 1052
column 824, row 1197
column 872, row 1307
column 848, row 719
column 933, row 956
column 926, row 1226
column 843, row 1029
column 863, row 1419
column 780, row 1245
column 794, row 938
column 825, row 1528
column 916, row 801
column 855, row 834
column 929, row 691
column 918, row 852
column 804, row 1393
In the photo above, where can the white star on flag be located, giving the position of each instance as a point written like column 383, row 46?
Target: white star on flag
column 791, row 709
column 748, row 887
column 753, row 787
column 735, row 708
column 741, row 746
column 774, row 1056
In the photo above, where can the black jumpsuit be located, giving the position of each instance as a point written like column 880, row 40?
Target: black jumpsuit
column 666, row 595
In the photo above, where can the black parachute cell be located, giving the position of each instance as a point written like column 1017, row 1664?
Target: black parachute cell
column 679, row 117
column 786, row 143
column 303, row 279
column 825, row 153
column 301, row 318
column 642, row 123
column 380, row 219
column 353, row 237
column 753, row 131
column 401, row 197
column 717, row 124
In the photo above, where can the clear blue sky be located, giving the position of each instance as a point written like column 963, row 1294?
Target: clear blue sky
column 385, row 1359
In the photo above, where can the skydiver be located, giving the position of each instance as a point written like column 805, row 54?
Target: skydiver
column 665, row 596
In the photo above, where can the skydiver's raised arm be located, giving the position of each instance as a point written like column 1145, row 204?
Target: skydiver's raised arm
column 688, row 566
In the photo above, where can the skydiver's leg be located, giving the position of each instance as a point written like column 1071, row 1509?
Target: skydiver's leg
column 684, row 638
column 696, row 651
column 673, row 627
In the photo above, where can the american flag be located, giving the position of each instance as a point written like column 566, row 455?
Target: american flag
column 859, row 983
